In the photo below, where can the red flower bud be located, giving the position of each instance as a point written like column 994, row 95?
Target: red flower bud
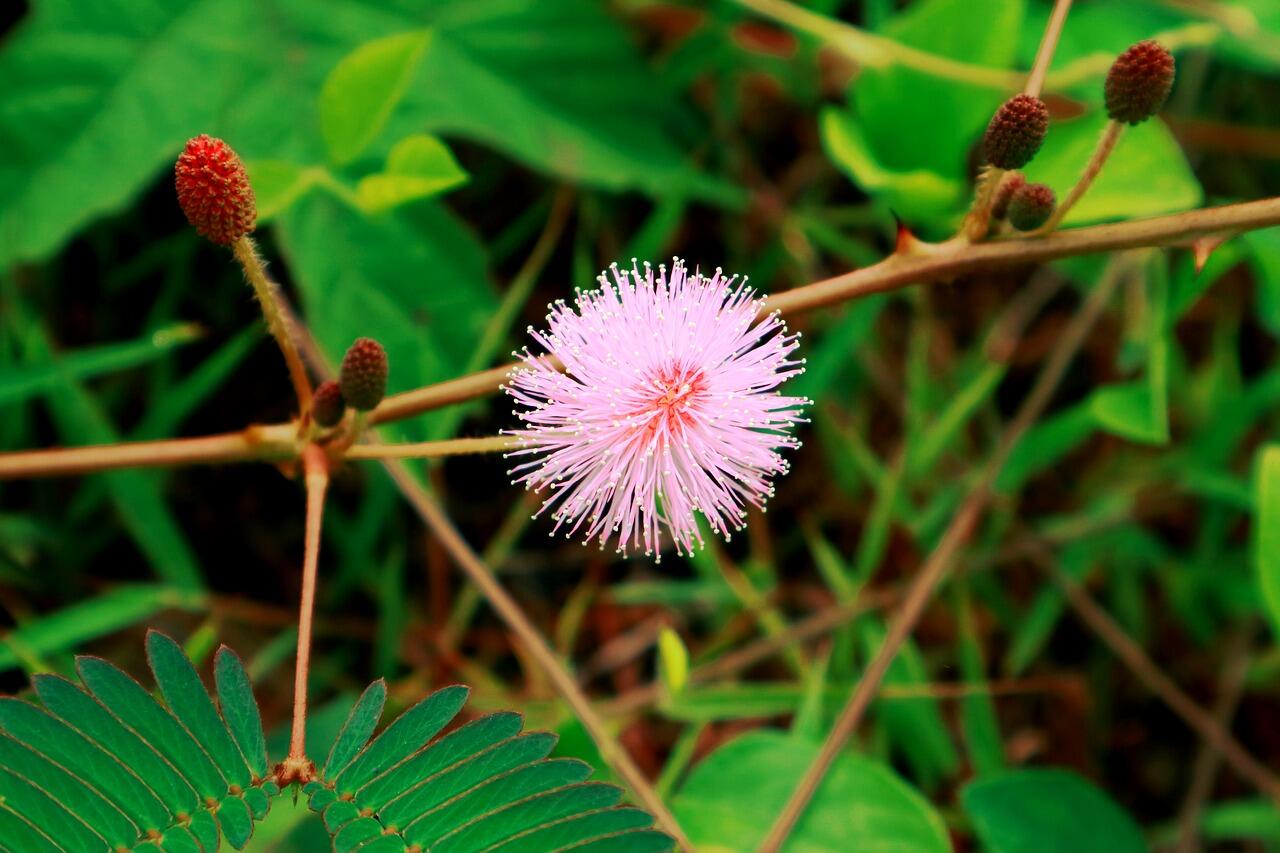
column 363, row 377
column 1031, row 207
column 327, row 404
column 214, row 190
column 1139, row 82
column 1016, row 132
column 1011, row 184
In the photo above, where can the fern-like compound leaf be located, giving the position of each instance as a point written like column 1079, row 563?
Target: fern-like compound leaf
column 106, row 766
column 484, row 786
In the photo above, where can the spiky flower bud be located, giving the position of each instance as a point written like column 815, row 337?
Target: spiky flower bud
column 214, row 190
column 1139, row 82
column 327, row 404
column 363, row 377
column 1010, row 185
column 1016, row 131
column 1031, row 206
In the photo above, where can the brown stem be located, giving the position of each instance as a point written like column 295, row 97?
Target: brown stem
column 611, row 751
column 1048, row 44
column 268, row 298
column 934, row 262
column 255, row 443
column 978, row 221
column 1106, row 144
column 1205, row 769
column 316, row 468
column 1131, row 655
column 942, row 262
column 433, row 449
column 958, row 532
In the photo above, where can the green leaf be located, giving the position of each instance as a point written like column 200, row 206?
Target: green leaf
column 125, row 769
column 419, row 166
column 1267, row 532
column 673, row 661
column 415, row 275
column 732, row 797
column 240, row 709
column 1048, row 811
column 357, row 730
column 21, row 383
column 1146, row 175
column 92, row 618
column 277, row 184
column 98, row 96
column 482, row 784
column 363, row 89
column 915, row 192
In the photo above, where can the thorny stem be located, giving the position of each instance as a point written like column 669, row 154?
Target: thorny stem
column 316, row 469
column 1106, row 144
column 926, row 262
column 611, row 751
column 958, row 532
column 266, row 291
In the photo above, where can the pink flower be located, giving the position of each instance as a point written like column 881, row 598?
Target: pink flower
column 668, row 405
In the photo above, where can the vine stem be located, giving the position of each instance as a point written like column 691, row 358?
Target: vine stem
column 1106, row 144
column 958, row 532
column 268, row 297
column 316, row 467
column 613, row 753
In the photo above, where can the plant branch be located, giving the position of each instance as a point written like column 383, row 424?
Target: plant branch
column 1202, row 722
column 1106, row 144
column 316, row 468
column 611, row 751
column 277, row 442
column 433, row 449
column 877, row 51
column 957, row 534
column 1048, row 44
column 927, row 262
column 269, row 299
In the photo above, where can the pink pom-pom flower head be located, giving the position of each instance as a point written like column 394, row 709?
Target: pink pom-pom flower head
column 668, row 406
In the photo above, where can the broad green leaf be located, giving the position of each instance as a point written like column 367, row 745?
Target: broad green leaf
column 360, row 93
column 87, row 620
column 413, row 276
column 915, row 192
column 1131, row 410
column 1048, row 811
column 916, row 120
column 96, row 97
column 732, row 797
column 419, row 166
column 1267, row 532
column 18, row 830
column 1146, row 175
column 27, row 799
column 278, row 183
column 1244, row 820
